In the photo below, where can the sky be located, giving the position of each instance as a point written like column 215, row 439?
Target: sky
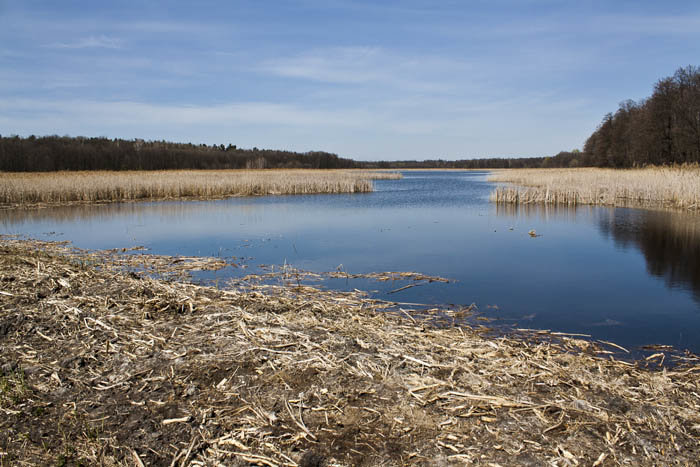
column 370, row 80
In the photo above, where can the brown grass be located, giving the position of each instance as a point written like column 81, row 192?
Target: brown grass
column 106, row 368
column 102, row 186
column 654, row 187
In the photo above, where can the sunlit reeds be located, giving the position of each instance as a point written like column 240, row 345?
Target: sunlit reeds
column 102, row 186
column 653, row 187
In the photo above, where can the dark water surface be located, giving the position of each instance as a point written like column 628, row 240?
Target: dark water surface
column 623, row 275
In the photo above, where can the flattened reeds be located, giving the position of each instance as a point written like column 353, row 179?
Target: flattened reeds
column 89, row 187
column 653, row 187
column 107, row 368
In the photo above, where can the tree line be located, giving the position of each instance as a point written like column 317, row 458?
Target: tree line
column 662, row 129
column 54, row 153
column 563, row 159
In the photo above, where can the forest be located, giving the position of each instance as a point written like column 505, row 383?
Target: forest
column 663, row 129
column 54, row 153
column 563, row 159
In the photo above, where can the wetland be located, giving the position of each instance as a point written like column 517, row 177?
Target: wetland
column 625, row 275
column 337, row 330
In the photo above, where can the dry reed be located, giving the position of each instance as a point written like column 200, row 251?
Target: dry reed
column 653, row 187
column 103, row 367
column 90, row 187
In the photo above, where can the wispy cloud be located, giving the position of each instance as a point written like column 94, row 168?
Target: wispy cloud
column 92, row 42
column 670, row 25
column 333, row 65
column 373, row 66
column 129, row 113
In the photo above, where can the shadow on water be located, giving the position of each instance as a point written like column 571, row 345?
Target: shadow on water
column 669, row 241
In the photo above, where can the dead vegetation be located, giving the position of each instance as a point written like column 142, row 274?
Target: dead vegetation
column 105, row 367
column 37, row 188
column 652, row 187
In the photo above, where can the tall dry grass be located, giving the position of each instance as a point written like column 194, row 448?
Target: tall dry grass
column 669, row 187
column 103, row 186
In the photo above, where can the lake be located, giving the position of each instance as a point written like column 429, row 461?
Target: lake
column 623, row 275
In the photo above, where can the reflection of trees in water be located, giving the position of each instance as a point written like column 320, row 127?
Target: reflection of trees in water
column 138, row 211
column 670, row 242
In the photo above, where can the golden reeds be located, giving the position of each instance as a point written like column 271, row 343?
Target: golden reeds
column 99, row 366
column 102, row 186
column 653, row 187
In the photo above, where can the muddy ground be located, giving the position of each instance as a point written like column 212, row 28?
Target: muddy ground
column 102, row 366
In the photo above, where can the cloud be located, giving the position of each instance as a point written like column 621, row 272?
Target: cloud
column 128, row 113
column 668, row 25
column 372, row 67
column 92, row 42
column 332, row 65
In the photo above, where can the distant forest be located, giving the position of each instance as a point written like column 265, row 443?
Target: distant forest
column 662, row 129
column 53, row 153
column 563, row 159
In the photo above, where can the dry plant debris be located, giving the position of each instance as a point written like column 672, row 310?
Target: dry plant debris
column 100, row 366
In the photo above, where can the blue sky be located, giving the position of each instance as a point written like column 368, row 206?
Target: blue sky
column 365, row 79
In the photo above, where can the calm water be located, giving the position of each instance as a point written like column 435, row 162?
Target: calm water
column 624, row 275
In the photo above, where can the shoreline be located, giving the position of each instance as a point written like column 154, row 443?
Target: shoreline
column 675, row 188
column 100, row 365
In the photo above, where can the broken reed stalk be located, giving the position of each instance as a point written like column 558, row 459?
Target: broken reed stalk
column 101, row 366
column 102, row 186
column 652, row 187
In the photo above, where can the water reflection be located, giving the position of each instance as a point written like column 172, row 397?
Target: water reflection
column 669, row 241
column 177, row 210
column 543, row 211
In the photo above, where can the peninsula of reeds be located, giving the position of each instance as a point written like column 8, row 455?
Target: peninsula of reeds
column 32, row 188
column 676, row 187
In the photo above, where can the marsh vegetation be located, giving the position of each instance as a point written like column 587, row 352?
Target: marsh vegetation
column 102, row 186
column 652, row 187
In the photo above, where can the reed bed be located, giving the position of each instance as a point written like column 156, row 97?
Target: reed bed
column 94, row 187
column 654, row 187
column 105, row 367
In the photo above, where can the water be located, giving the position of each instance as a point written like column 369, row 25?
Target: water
column 623, row 275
